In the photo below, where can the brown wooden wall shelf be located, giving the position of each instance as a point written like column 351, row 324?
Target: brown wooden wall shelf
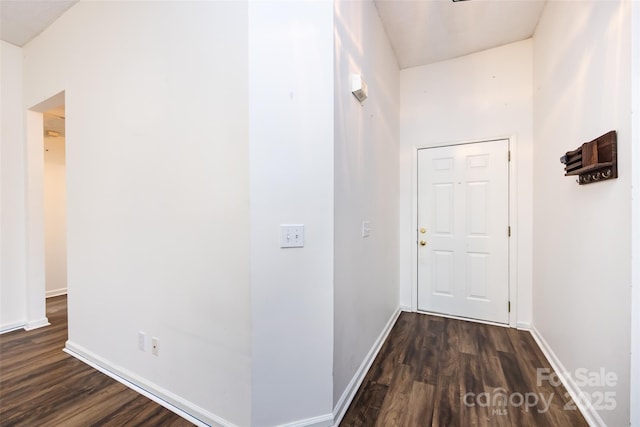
column 594, row 161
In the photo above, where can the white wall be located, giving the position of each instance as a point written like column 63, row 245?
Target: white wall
column 366, row 179
column 55, row 216
column 158, row 192
column 581, row 251
column 12, row 185
column 483, row 95
column 291, row 141
column 635, row 216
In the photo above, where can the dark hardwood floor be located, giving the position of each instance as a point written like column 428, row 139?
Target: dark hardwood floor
column 431, row 371
column 42, row 386
column 434, row 371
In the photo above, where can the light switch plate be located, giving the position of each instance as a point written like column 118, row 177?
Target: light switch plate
column 366, row 228
column 291, row 235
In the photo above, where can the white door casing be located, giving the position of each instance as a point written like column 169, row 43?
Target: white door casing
column 463, row 220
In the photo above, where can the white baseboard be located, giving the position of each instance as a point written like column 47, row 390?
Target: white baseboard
column 523, row 326
column 56, row 292
column 321, row 421
column 35, row 324
column 9, row 327
column 353, row 386
column 590, row 414
column 163, row 397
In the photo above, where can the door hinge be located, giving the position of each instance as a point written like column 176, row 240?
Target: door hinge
column 509, row 155
column 509, row 231
column 509, row 306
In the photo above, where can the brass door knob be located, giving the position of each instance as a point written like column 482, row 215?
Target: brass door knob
column 423, row 243
column 423, row 230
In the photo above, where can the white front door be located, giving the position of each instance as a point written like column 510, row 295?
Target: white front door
column 462, row 236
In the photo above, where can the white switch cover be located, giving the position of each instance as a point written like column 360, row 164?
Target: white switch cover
column 291, row 235
column 142, row 340
column 366, row 228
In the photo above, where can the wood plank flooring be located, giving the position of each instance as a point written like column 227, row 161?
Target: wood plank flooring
column 431, row 371
column 42, row 386
column 439, row 372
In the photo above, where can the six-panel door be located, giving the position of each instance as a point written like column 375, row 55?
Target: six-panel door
column 462, row 236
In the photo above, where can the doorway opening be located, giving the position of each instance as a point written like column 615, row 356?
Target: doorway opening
column 55, row 212
column 36, row 290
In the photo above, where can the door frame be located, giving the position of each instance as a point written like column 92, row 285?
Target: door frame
column 36, row 309
column 513, row 220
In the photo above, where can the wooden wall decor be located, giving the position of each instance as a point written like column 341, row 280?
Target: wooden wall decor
column 594, row 161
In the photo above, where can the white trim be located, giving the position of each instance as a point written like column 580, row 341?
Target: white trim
column 590, row 414
column 352, row 388
column 513, row 239
column 523, row 326
column 35, row 324
column 320, row 421
column 635, row 215
column 163, row 397
column 513, row 216
column 56, row 292
column 10, row 327
column 34, row 234
column 414, row 227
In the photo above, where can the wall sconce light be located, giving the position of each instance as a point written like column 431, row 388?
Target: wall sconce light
column 359, row 87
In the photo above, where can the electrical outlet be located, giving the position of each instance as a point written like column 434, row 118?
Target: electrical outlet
column 142, row 339
column 155, row 346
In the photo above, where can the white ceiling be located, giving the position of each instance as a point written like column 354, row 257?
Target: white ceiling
column 22, row 20
column 426, row 31
column 420, row 31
